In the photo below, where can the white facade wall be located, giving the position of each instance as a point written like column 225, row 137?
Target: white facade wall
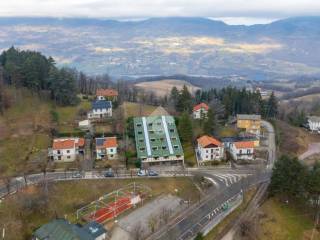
column 210, row 154
column 163, row 159
column 109, row 152
column 200, row 113
column 64, row 155
column 313, row 125
column 100, row 113
column 241, row 153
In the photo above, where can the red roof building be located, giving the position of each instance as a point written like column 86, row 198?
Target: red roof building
column 201, row 106
column 207, row 141
column 107, row 92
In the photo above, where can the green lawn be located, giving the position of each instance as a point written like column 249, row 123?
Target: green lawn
column 189, row 155
column 285, row 222
column 24, row 212
column 131, row 109
column 26, row 126
column 67, row 116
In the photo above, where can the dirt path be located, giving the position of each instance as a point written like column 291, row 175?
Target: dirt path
column 313, row 148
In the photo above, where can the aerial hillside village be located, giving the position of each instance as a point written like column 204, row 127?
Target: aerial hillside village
column 158, row 146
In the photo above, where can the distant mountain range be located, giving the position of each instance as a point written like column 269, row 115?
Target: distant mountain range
column 166, row 46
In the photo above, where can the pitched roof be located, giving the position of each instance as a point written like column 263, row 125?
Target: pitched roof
column 60, row 229
column 107, row 92
column 101, row 104
column 107, row 142
column 205, row 141
column 67, row 143
column 201, row 105
column 314, row 118
column 248, row 117
column 244, row 144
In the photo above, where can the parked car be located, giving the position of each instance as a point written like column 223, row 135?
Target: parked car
column 77, row 175
column 152, row 173
column 109, row 173
column 142, row 173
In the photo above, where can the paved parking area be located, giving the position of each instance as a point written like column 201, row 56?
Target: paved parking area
column 140, row 218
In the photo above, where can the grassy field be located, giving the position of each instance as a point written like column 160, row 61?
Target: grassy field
column 189, row 155
column 26, row 211
column 284, row 222
column 131, row 109
column 163, row 87
column 293, row 140
column 24, row 130
column 213, row 234
column 68, row 116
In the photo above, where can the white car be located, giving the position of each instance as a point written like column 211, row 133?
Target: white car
column 142, row 173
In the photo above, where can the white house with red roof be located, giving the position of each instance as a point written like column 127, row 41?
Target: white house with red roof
column 242, row 150
column 107, row 94
column 106, row 147
column 66, row 149
column 200, row 111
column 209, row 149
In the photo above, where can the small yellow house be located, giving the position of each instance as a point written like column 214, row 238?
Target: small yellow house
column 250, row 122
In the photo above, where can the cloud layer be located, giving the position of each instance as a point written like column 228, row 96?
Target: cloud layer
column 159, row 8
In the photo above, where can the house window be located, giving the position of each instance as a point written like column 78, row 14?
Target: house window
column 176, row 147
column 68, row 157
column 140, row 132
column 111, row 150
column 59, row 158
column 172, row 130
column 141, row 140
column 150, row 124
column 142, row 149
column 164, row 147
column 111, row 155
column 68, row 151
column 58, row 152
column 139, row 125
column 154, row 148
column 207, row 151
column 152, row 140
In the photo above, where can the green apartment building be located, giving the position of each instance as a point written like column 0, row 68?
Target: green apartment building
column 157, row 141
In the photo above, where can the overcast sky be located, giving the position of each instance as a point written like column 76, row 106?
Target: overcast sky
column 243, row 11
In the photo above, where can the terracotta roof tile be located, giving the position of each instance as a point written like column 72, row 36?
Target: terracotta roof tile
column 66, row 143
column 201, row 105
column 107, row 92
column 247, row 144
column 107, row 142
column 63, row 144
column 205, row 141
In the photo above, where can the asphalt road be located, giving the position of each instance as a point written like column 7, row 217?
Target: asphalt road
column 188, row 224
column 226, row 184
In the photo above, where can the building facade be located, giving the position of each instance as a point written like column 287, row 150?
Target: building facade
column 157, row 141
column 66, row 149
column 106, row 147
column 250, row 122
column 100, row 109
column 209, row 149
column 314, row 123
column 200, row 111
column 242, row 150
column 107, row 94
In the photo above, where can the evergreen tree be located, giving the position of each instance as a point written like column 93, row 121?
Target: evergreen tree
column 185, row 128
column 184, row 102
column 210, row 122
column 288, row 178
column 272, row 106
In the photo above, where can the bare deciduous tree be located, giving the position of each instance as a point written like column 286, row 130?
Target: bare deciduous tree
column 137, row 231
